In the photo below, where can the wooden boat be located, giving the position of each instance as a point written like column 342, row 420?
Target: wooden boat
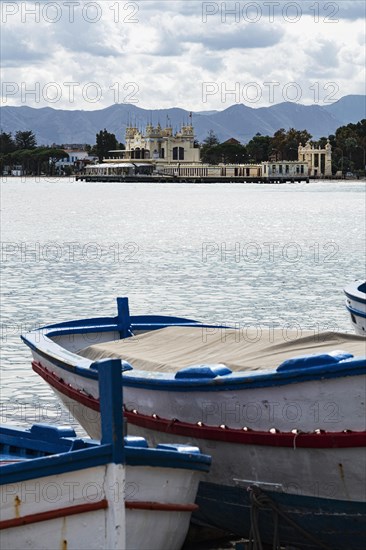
column 61, row 491
column 281, row 413
column 356, row 304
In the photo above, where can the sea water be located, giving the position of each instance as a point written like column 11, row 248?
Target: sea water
column 253, row 255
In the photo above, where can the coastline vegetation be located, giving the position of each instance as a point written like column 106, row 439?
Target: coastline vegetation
column 22, row 151
column 348, row 149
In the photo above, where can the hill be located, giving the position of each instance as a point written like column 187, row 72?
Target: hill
column 238, row 121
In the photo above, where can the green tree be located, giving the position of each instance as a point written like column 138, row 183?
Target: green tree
column 36, row 161
column 285, row 144
column 105, row 142
column 7, row 144
column 211, row 139
column 209, row 152
column 349, row 149
column 25, row 140
column 258, row 148
column 45, row 159
column 231, row 153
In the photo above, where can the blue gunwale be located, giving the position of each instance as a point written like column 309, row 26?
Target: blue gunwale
column 110, row 450
column 126, row 324
column 356, row 312
column 65, row 459
column 72, row 461
column 235, row 380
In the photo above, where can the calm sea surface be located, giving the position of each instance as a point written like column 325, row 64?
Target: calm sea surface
column 263, row 255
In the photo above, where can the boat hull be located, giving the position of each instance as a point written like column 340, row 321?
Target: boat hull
column 283, row 418
column 339, row 525
column 88, row 494
column 322, row 490
column 66, row 509
column 297, row 471
column 159, row 505
column 332, row 405
column 356, row 305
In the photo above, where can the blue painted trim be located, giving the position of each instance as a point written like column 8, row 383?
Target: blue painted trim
column 356, row 312
column 39, row 440
column 162, row 381
column 72, row 461
column 110, row 450
column 124, row 320
column 230, row 382
column 316, row 359
column 20, row 445
column 356, row 291
column 202, row 371
column 111, row 406
column 165, row 458
column 355, row 298
column 238, row 381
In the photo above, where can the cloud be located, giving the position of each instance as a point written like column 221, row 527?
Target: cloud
column 324, row 59
column 342, row 9
column 167, row 50
column 16, row 51
column 243, row 38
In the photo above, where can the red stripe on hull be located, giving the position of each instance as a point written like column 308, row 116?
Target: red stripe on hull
column 322, row 440
column 159, row 506
column 327, row 440
column 77, row 395
column 53, row 514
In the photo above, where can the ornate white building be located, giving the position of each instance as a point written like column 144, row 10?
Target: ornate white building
column 319, row 160
column 160, row 144
column 159, row 151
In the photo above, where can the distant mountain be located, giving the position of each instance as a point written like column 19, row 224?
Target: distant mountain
column 238, row 121
column 348, row 109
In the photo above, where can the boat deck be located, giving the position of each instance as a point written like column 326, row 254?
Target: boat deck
column 173, row 348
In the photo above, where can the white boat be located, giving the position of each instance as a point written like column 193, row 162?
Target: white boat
column 356, row 304
column 280, row 412
column 61, row 491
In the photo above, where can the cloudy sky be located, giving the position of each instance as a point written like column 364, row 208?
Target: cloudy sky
column 193, row 54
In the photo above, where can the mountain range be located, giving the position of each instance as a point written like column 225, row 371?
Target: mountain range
column 238, row 121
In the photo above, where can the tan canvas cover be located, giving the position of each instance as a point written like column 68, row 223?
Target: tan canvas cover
column 173, row 348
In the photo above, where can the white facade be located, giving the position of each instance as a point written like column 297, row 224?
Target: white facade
column 319, row 160
column 161, row 145
column 283, row 169
column 76, row 159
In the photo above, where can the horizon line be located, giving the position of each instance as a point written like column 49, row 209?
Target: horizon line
column 197, row 112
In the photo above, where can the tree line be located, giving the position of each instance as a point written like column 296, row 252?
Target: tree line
column 348, row 147
column 22, row 150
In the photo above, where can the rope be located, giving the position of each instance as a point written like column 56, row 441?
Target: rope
column 261, row 501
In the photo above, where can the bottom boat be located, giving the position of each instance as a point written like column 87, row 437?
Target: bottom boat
column 60, row 491
column 281, row 412
column 356, row 304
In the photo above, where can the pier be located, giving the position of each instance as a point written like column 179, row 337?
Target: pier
column 188, row 179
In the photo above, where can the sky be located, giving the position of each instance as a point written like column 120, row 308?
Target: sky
column 197, row 55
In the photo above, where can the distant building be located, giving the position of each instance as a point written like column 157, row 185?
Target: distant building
column 160, row 145
column 319, row 160
column 76, row 160
column 159, row 151
column 15, row 170
column 284, row 169
column 232, row 141
column 73, row 146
